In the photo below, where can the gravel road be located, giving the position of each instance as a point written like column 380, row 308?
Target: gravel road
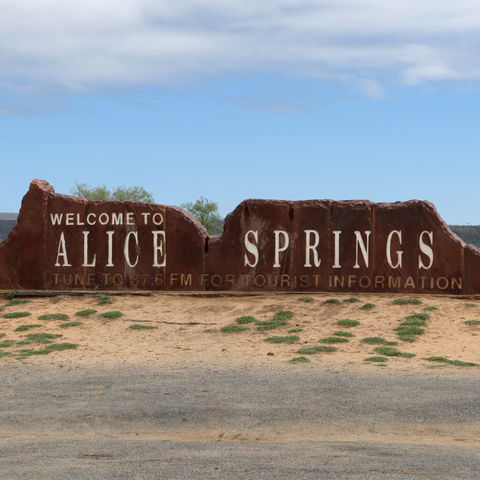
column 295, row 422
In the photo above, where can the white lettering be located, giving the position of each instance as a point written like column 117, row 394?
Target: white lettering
column 157, row 218
column 425, row 249
column 336, row 263
column 399, row 253
column 145, row 217
column 110, row 248
column 129, row 218
column 251, row 248
column 117, row 219
column 94, row 218
column 363, row 248
column 158, row 242
column 311, row 248
column 85, row 252
column 62, row 252
column 56, row 218
column 127, row 245
column 79, row 222
column 69, row 219
column 103, row 218
column 279, row 248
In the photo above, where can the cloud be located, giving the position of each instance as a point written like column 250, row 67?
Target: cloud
column 96, row 44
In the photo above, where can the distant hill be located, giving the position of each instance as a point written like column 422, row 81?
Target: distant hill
column 468, row 233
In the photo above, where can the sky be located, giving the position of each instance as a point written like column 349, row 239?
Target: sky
column 283, row 99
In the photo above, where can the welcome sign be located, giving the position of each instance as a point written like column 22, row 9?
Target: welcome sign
column 63, row 242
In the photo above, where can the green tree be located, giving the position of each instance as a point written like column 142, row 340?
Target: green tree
column 206, row 213
column 101, row 192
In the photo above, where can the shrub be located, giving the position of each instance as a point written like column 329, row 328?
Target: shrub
column 16, row 314
column 245, row 319
column 113, row 314
column 348, row 323
column 85, row 312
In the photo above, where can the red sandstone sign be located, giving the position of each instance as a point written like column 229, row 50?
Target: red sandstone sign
column 63, row 242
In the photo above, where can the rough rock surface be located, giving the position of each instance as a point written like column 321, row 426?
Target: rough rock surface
column 63, row 242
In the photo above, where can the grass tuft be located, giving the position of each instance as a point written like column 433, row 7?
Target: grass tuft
column 23, row 328
column 407, row 301
column 456, row 363
column 11, row 294
column 57, row 299
column 7, row 343
column 270, row 324
column 43, row 337
column 393, row 352
column 333, row 340
column 305, row 299
column 139, row 326
column 16, row 314
column 377, row 341
column 283, row 315
column 70, row 324
column 348, row 323
column 104, row 300
column 113, row 314
column 316, row 349
column 245, row 319
column 299, row 360
column 332, row 300
column 295, row 330
column 339, row 333
column 54, row 347
column 472, row 322
column 85, row 312
column 17, row 301
column 351, row 300
column 418, row 317
column 376, row 359
column 367, row 306
column 286, row 339
column 409, row 330
column 233, row 328
column 430, row 309
column 407, row 338
column 53, row 316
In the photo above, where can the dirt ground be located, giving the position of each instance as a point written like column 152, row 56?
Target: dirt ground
column 187, row 330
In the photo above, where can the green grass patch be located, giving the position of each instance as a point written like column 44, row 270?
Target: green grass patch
column 333, row 340
column 431, row 308
column 16, row 314
column 418, row 316
column 245, row 319
column 299, row 360
column 270, row 324
column 409, row 330
column 305, row 299
column 295, row 330
column 340, row 333
column 7, row 343
column 23, row 328
column 414, row 321
column 233, row 328
column 57, row 299
column 4, row 354
column 456, row 363
column 332, row 300
column 283, row 315
column 24, row 342
column 407, row 338
column 470, row 305
column 17, row 301
column 104, row 300
column 2, row 335
column 472, row 322
column 367, row 306
column 407, row 301
column 392, row 352
column 346, row 322
column 11, row 294
column 140, row 326
column 70, row 324
column 113, row 314
column 351, row 300
column 54, row 347
column 85, row 312
column 376, row 359
column 286, row 339
column 53, row 316
column 43, row 337
column 377, row 341
column 316, row 349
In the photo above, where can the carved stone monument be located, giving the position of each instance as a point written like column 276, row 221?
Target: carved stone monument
column 63, row 242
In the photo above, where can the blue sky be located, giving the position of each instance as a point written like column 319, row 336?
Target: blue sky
column 276, row 99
